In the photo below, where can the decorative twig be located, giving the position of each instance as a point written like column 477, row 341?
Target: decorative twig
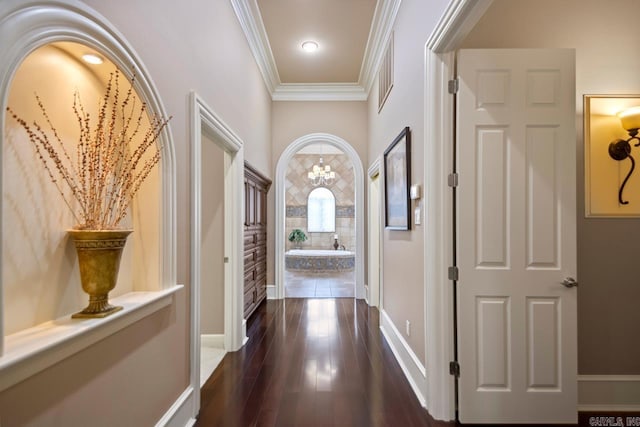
column 109, row 169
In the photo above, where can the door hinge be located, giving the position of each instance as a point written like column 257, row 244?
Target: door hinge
column 452, row 180
column 453, row 273
column 454, row 369
column 454, row 86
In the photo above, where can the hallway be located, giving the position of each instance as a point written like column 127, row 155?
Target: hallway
column 315, row 285
column 312, row 362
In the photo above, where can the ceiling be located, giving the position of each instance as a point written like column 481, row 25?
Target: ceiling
column 351, row 34
column 340, row 27
column 76, row 50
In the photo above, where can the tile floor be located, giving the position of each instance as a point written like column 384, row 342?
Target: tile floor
column 210, row 357
column 319, row 285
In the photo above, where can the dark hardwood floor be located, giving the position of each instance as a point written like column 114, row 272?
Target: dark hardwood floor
column 318, row 362
column 312, row 362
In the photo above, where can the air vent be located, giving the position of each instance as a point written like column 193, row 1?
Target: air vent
column 385, row 75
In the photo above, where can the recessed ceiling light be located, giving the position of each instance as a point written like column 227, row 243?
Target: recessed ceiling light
column 92, row 58
column 310, row 46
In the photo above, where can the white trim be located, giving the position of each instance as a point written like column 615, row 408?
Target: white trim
column 319, row 92
column 376, row 171
column 212, row 340
column 205, row 122
column 411, row 366
column 245, row 337
column 281, row 170
column 610, row 378
column 609, row 393
column 35, row 349
column 438, row 248
column 456, row 22
column 250, row 19
column 383, row 19
column 178, row 414
column 271, row 291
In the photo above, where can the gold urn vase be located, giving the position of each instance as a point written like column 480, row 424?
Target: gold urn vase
column 99, row 253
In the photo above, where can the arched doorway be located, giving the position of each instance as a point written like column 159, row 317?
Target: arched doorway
column 280, row 237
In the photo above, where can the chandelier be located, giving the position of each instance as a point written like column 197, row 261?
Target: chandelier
column 321, row 174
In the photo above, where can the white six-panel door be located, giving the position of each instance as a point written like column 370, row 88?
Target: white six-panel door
column 516, row 243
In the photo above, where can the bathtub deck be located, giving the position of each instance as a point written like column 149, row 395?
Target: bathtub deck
column 319, row 260
column 319, row 285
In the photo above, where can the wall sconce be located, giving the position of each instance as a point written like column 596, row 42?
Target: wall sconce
column 620, row 149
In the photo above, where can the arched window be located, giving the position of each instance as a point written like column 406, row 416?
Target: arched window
column 321, row 211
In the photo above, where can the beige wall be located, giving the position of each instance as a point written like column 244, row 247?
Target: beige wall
column 184, row 48
column 606, row 63
column 212, row 249
column 292, row 120
column 404, row 250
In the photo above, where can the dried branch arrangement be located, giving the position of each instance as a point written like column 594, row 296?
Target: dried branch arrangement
column 104, row 174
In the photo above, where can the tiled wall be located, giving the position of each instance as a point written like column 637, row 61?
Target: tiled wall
column 298, row 187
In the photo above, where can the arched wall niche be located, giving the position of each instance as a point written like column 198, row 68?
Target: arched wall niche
column 44, row 37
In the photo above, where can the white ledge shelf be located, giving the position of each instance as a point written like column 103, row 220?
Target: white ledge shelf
column 32, row 350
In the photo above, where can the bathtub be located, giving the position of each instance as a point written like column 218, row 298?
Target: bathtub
column 319, row 260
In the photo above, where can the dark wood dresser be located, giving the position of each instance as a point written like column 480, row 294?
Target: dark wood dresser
column 256, row 187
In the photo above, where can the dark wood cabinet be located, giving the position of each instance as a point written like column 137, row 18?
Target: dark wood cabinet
column 256, row 187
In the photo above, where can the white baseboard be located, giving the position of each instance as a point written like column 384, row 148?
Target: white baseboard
column 212, row 340
column 609, row 393
column 411, row 366
column 245, row 338
column 180, row 413
column 366, row 293
column 271, row 291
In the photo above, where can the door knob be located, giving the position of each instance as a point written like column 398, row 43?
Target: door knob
column 569, row 282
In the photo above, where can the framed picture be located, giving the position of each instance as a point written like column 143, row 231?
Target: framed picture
column 397, row 170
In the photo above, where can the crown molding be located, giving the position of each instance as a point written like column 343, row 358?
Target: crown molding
column 383, row 19
column 251, row 23
column 319, row 92
column 250, row 19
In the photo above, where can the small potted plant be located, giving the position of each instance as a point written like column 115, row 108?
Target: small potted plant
column 296, row 237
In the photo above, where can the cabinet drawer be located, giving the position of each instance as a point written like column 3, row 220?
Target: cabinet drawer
column 261, row 253
column 248, row 297
column 262, row 293
column 249, row 279
column 249, row 260
column 261, row 283
column 250, row 239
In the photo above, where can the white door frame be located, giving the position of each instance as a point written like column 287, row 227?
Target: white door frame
column 374, row 297
column 456, row 22
column 280, row 178
column 205, row 122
